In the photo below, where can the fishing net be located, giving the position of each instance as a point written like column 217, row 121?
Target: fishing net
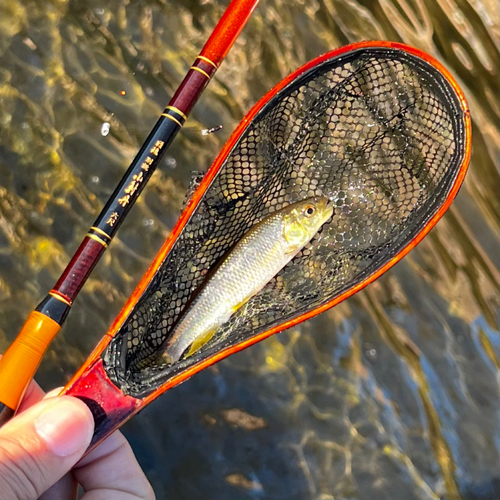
column 377, row 130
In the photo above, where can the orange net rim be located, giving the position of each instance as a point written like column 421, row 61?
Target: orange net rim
column 206, row 182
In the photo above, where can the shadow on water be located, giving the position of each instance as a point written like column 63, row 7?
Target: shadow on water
column 393, row 394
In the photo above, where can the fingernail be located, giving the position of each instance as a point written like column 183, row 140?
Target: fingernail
column 65, row 427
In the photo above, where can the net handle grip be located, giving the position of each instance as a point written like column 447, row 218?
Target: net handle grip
column 19, row 364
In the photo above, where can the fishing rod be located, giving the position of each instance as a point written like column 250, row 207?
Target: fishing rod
column 20, row 362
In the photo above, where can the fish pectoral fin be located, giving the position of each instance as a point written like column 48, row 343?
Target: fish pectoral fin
column 293, row 249
column 199, row 343
column 239, row 305
column 295, row 235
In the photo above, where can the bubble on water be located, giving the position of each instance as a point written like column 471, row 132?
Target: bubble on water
column 170, row 162
column 148, row 222
column 371, row 353
column 149, row 91
column 105, row 129
column 29, row 43
column 95, row 179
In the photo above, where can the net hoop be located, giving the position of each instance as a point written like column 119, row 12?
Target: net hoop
column 95, row 358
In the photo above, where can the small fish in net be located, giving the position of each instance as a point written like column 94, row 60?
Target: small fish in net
column 254, row 261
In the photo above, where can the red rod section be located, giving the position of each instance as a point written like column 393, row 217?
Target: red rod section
column 221, row 40
column 81, row 265
column 228, row 29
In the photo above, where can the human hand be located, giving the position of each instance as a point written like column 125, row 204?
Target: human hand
column 40, row 449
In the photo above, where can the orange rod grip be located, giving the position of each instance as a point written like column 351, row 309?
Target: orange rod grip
column 19, row 364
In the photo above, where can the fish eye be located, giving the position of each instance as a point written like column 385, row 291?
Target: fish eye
column 309, row 210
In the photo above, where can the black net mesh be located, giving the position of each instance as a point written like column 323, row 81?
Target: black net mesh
column 379, row 131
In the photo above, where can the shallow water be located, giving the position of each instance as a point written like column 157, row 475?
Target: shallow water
column 393, row 394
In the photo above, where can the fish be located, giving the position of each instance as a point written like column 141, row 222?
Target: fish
column 254, row 261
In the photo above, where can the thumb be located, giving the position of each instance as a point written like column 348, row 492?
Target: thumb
column 39, row 446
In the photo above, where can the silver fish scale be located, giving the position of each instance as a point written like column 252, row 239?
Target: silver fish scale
column 255, row 260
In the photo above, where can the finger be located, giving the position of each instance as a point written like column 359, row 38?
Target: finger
column 39, row 446
column 67, row 487
column 64, row 489
column 111, row 471
column 33, row 394
column 53, row 393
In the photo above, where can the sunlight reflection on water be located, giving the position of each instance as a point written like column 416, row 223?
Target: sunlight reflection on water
column 394, row 393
